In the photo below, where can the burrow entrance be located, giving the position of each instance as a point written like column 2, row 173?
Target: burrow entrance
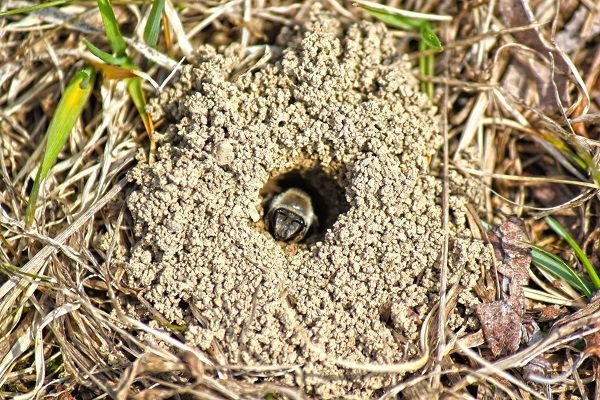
column 325, row 188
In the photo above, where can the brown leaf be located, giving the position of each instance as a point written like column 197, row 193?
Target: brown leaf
column 501, row 325
column 514, row 257
column 502, row 320
column 593, row 339
column 64, row 393
column 550, row 313
column 496, row 243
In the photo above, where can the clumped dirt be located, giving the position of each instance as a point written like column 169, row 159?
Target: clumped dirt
column 339, row 113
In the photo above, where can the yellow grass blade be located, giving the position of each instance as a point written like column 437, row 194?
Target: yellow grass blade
column 68, row 110
column 114, row 71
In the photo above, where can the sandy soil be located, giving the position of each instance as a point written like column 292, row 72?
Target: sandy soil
column 339, row 113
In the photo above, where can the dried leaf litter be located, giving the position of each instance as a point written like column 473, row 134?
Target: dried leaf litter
column 340, row 100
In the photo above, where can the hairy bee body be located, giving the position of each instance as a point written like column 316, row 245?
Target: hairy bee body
column 290, row 215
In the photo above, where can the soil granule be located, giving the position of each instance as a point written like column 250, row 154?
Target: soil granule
column 339, row 112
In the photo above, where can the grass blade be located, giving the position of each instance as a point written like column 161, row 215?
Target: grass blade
column 167, row 35
column 10, row 271
column 37, row 7
column 561, row 146
column 540, row 295
column 558, row 228
column 134, row 86
column 558, row 267
column 588, row 159
column 67, row 111
column 152, row 29
column 429, row 37
column 397, row 21
column 113, row 71
column 117, row 43
column 104, row 56
column 426, row 67
column 429, row 40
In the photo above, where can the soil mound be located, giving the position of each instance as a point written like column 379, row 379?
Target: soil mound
column 338, row 114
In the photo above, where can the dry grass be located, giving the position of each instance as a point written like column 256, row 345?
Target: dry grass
column 506, row 93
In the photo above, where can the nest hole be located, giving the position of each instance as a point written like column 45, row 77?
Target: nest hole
column 325, row 188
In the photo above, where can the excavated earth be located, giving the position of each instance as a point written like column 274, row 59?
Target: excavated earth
column 338, row 113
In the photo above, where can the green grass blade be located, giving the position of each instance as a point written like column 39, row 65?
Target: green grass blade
column 397, row 21
column 67, row 111
column 10, row 271
column 23, row 10
column 429, row 37
column 426, row 67
column 561, row 146
column 558, row 267
column 117, row 43
column 558, row 228
column 134, row 86
column 104, row 56
column 152, row 29
column 588, row 159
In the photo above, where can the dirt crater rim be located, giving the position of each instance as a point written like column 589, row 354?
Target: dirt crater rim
column 353, row 114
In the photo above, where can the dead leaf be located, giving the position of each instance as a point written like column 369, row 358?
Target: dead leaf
column 64, row 393
column 514, row 258
column 592, row 340
column 501, row 325
column 550, row 313
column 502, row 320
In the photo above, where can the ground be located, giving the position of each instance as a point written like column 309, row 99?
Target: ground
column 125, row 284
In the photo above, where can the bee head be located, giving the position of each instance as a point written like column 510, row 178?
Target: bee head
column 287, row 225
column 290, row 215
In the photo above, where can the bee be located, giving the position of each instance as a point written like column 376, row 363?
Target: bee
column 290, row 215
